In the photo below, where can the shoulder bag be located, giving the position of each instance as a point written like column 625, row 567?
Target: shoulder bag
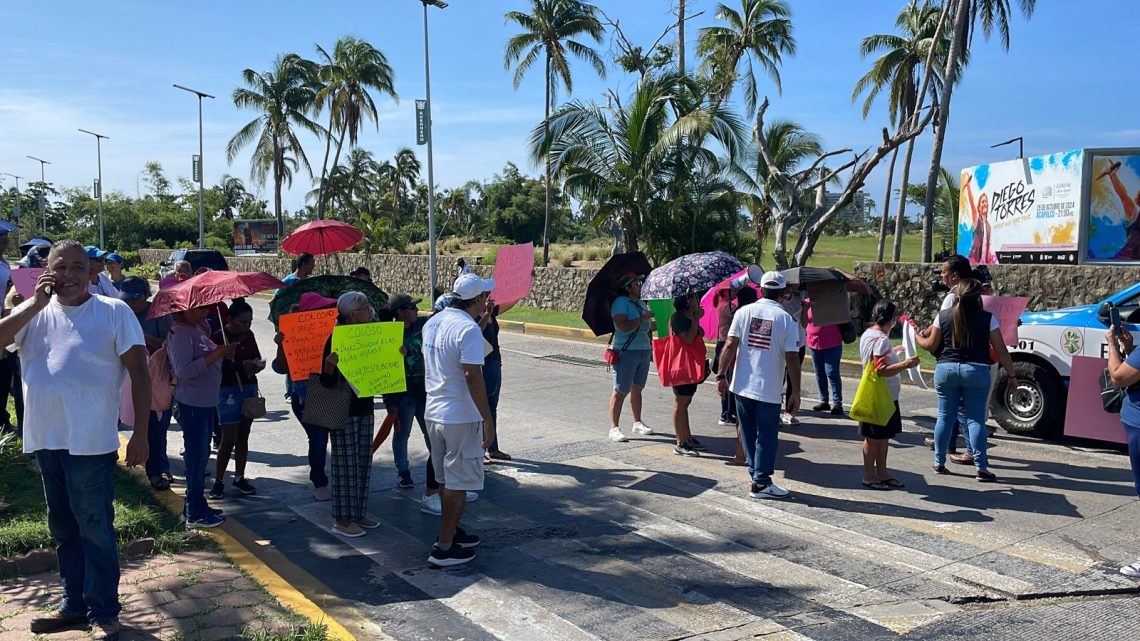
column 327, row 407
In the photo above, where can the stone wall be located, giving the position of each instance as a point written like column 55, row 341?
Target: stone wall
column 555, row 288
column 1048, row 286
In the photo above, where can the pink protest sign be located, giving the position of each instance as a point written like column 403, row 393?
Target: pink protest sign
column 25, row 279
column 1084, row 414
column 514, row 273
column 1007, row 310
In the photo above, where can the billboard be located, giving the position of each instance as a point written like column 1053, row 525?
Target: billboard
column 1114, row 208
column 255, row 236
column 1022, row 211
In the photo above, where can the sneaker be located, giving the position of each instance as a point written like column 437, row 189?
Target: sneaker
column 57, row 620
column 822, row 407
column 472, row 497
column 455, row 555
column 245, row 487
column 616, row 435
column 1128, row 570
column 322, row 493
column 350, row 531
column 986, row 476
column 769, row 491
column 106, row 630
column 695, row 444
column 463, row 539
column 405, row 482
column 683, row 449
column 431, row 504
column 837, row 410
column 210, row 520
column 218, row 491
column 789, row 419
column 725, row 422
column 642, row 429
column 368, row 522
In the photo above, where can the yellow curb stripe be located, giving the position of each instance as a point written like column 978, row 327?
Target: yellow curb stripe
column 236, row 542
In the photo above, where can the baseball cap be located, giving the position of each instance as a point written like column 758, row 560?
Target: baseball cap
column 312, row 301
column 95, row 253
column 134, row 288
column 115, row 258
column 402, row 301
column 627, row 280
column 468, row 286
column 773, row 280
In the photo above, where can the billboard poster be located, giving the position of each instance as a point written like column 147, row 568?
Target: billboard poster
column 1022, row 211
column 255, row 236
column 1114, row 209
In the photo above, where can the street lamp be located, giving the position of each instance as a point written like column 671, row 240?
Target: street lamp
column 197, row 169
column 17, row 208
column 43, row 192
column 427, row 129
column 99, row 193
column 1020, row 145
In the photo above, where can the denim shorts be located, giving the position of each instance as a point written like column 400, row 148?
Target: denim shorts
column 632, row 370
column 230, row 400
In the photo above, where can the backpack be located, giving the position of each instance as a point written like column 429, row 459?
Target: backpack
column 162, row 380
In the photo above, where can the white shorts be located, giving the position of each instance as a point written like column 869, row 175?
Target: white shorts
column 457, row 454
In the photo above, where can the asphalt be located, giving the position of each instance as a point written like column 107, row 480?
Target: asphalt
column 585, row 538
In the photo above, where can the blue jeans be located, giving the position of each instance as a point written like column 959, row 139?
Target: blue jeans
column 318, row 436
column 157, row 463
column 197, row 428
column 1133, row 434
column 79, row 491
column 968, row 385
column 493, row 380
column 760, row 436
column 825, row 362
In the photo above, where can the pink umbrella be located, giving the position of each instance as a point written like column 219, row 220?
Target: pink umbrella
column 709, row 321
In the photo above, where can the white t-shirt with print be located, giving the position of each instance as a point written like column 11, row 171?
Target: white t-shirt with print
column 70, row 358
column 766, row 333
column 875, row 343
column 452, row 339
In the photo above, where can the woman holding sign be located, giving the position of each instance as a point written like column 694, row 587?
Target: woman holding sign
column 351, row 446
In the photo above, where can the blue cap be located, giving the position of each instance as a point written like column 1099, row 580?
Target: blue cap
column 95, row 252
column 6, row 227
column 134, row 288
column 113, row 257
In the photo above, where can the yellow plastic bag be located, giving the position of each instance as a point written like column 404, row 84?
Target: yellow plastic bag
column 873, row 402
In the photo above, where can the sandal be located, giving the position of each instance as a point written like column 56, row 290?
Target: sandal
column 487, row 460
column 499, row 456
column 159, row 483
column 892, row 483
column 875, row 485
column 1131, row 570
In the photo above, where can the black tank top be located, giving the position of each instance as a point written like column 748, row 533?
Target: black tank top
column 976, row 350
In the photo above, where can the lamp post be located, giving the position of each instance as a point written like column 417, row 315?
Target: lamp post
column 99, row 194
column 17, row 208
column 199, row 170
column 43, row 194
column 427, row 128
column 1020, row 145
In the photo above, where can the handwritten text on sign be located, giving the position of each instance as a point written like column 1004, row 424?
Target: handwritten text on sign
column 305, row 336
column 1007, row 310
column 514, row 273
column 25, row 279
column 370, row 357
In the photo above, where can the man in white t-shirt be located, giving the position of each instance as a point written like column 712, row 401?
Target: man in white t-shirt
column 100, row 282
column 763, row 343
column 457, row 415
column 75, row 349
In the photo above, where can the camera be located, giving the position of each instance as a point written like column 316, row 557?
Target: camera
column 938, row 286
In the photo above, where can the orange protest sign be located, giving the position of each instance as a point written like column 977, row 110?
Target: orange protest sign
column 305, row 336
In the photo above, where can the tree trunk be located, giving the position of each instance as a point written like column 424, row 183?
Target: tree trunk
column 339, row 146
column 324, row 170
column 887, row 207
column 896, row 249
column 546, row 162
column 278, row 178
column 681, row 37
column 957, row 43
column 780, row 231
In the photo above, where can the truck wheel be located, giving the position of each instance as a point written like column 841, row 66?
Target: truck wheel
column 1036, row 407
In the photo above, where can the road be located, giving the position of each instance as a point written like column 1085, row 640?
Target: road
column 585, row 538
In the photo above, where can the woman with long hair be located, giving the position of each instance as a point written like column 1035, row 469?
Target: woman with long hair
column 961, row 338
column 875, row 345
column 685, row 323
column 239, row 382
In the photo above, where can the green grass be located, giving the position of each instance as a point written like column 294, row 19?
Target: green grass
column 925, row 359
column 844, row 251
column 545, row 317
column 299, row 629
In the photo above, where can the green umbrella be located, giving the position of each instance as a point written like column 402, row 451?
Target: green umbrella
column 328, row 286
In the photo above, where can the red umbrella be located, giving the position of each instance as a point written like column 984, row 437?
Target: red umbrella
column 322, row 237
column 210, row 288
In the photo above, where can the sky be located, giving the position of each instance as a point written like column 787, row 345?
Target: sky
column 109, row 67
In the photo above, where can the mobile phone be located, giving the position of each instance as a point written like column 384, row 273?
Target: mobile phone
column 1114, row 319
column 50, row 290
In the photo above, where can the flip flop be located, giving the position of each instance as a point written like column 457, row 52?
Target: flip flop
column 876, row 485
column 893, row 483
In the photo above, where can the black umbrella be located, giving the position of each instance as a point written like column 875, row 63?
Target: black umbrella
column 603, row 289
column 327, row 286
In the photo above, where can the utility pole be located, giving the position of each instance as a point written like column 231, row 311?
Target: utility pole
column 41, row 201
column 681, row 37
column 199, row 171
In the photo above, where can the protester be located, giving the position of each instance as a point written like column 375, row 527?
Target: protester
column 297, row 391
column 100, row 283
column 725, row 308
column 458, row 415
column 361, row 273
column 239, row 382
column 196, row 362
column 7, row 360
column 135, row 292
column 744, row 297
column 953, row 269
column 75, row 350
column 793, row 303
column 351, row 446
column 11, row 381
column 633, row 324
column 762, row 342
column 493, row 372
column 685, row 323
column 114, row 263
column 1124, row 367
column 461, row 267
column 875, row 345
column 408, row 405
column 826, row 345
column 182, row 271
column 960, row 339
column 303, row 266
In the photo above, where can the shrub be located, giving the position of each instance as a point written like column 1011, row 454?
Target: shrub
column 148, row 271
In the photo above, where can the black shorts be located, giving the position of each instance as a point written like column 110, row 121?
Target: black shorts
column 685, row 390
column 890, row 430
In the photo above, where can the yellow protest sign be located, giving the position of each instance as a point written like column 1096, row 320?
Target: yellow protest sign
column 305, row 336
column 370, row 357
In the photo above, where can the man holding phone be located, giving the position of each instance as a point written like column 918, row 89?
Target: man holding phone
column 75, row 349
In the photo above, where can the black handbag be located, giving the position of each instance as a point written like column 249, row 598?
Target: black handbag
column 1111, row 396
column 327, row 407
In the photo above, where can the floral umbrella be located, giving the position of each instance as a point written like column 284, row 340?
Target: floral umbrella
column 689, row 274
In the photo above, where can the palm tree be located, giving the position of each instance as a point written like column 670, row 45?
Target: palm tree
column 759, row 34
column 345, row 78
column 994, row 16
column 282, row 95
column 899, row 70
column 234, row 195
column 548, row 32
column 405, row 176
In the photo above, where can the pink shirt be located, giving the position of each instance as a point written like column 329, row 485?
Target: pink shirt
column 825, row 337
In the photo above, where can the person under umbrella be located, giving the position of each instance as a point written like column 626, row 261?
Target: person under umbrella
column 633, row 326
column 303, row 266
column 239, row 382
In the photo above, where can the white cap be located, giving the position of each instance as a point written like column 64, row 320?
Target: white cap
column 468, row 286
column 773, row 280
